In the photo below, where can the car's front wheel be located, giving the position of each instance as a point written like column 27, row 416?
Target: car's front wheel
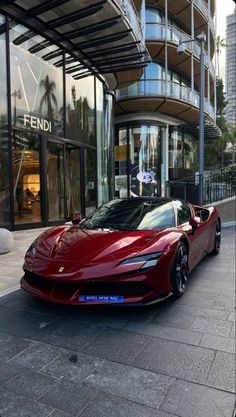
column 180, row 270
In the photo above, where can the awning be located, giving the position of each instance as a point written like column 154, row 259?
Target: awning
column 211, row 131
column 98, row 34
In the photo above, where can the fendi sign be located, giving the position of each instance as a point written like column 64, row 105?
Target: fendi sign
column 36, row 123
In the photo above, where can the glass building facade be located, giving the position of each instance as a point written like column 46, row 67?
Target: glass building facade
column 53, row 148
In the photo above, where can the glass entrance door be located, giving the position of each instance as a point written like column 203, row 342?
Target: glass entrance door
column 26, row 178
column 55, row 180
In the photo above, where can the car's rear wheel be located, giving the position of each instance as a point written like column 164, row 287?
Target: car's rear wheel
column 217, row 241
column 180, row 270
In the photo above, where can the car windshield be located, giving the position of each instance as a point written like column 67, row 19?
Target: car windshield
column 131, row 214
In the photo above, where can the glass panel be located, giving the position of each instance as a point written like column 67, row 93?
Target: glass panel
column 36, row 85
column 73, row 185
column 80, row 108
column 26, row 178
column 102, row 147
column 55, row 181
column 154, row 16
column 121, row 158
column 145, row 160
column 90, row 180
column 4, row 144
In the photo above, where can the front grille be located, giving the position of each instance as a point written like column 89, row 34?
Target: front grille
column 88, row 288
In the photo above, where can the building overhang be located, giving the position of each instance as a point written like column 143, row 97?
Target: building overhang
column 211, row 131
column 105, row 36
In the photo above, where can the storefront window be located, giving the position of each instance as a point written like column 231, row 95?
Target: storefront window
column 26, row 178
column 145, row 158
column 55, row 181
column 182, row 154
column 4, row 146
column 80, row 108
column 121, row 158
column 102, row 146
column 90, row 180
column 36, row 84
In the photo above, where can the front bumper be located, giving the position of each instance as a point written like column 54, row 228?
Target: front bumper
column 72, row 292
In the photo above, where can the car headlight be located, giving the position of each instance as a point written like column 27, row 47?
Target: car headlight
column 32, row 250
column 148, row 261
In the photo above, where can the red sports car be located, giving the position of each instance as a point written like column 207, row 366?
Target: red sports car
column 128, row 251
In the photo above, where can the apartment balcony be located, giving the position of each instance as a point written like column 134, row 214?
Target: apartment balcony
column 105, row 36
column 181, row 9
column 157, row 33
column 168, row 97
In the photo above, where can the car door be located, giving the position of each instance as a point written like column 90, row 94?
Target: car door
column 196, row 244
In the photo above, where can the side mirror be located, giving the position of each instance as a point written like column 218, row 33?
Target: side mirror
column 76, row 219
column 194, row 222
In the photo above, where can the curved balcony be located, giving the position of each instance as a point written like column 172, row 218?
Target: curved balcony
column 159, row 31
column 181, row 9
column 160, row 91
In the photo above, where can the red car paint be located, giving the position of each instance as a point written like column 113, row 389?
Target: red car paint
column 70, row 261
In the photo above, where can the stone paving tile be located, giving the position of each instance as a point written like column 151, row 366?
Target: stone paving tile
column 57, row 413
column 8, row 371
column 118, row 346
column 232, row 334
column 12, row 405
column 191, row 313
column 232, row 317
column 222, row 374
column 23, row 323
column 176, row 359
column 68, row 397
column 168, row 333
column 31, row 384
column 178, row 319
column 210, row 326
column 109, row 406
column 223, row 302
column 208, row 288
column 4, row 311
column 72, row 366
column 197, row 299
column 11, row 346
column 137, row 385
column 185, row 399
column 67, row 334
column 37, row 355
column 225, row 344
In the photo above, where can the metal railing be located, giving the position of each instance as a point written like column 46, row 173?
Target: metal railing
column 217, row 185
column 129, row 10
column 163, row 88
column 204, row 9
column 156, row 31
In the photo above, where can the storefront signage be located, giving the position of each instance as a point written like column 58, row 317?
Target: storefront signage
column 36, row 123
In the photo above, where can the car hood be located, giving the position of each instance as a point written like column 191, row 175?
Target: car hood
column 86, row 246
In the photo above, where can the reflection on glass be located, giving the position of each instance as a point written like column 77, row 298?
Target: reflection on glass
column 121, row 158
column 55, row 181
column 26, row 178
column 145, row 160
column 36, row 84
column 72, row 175
column 90, row 180
column 4, row 147
column 102, row 146
column 80, row 109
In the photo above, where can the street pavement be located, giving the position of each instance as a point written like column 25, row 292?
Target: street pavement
column 176, row 358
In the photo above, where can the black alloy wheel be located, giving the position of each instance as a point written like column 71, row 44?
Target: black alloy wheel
column 217, row 242
column 180, row 270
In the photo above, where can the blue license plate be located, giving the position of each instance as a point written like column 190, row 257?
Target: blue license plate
column 101, row 298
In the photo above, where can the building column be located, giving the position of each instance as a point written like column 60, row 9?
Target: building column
column 165, row 160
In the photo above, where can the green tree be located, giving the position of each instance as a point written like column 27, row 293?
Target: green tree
column 220, row 44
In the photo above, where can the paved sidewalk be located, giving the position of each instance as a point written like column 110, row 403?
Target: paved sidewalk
column 172, row 359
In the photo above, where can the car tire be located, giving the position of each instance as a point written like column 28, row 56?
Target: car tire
column 217, row 241
column 180, row 270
